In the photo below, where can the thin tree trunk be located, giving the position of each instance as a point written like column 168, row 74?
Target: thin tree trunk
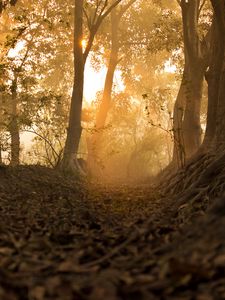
column 69, row 161
column 94, row 141
column 14, row 128
column 178, row 114
column 74, row 129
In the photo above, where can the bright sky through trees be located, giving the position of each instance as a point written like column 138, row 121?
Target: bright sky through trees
column 94, row 81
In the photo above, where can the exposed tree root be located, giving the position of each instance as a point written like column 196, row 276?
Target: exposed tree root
column 196, row 186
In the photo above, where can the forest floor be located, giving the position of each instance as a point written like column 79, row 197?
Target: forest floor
column 64, row 239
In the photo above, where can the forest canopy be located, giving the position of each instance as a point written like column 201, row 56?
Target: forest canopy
column 115, row 89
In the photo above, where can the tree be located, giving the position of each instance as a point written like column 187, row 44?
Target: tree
column 94, row 140
column 215, row 129
column 94, row 21
column 16, row 68
column 143, row 37
column 187, row 127
column 33, row 48
column 14, row 126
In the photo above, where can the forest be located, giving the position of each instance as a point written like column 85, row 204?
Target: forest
column 112, row 149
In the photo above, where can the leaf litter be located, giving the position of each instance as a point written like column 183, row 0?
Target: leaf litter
column 61, row 238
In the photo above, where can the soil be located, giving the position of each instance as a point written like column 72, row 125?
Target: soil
column 67, row 239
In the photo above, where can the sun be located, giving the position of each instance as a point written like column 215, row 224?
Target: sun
column 83, row 43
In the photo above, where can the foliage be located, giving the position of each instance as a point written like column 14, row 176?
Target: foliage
column 37, row 42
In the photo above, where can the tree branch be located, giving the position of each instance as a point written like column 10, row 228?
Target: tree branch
column 125, row 8
column 43, row 138
column 95, row 26
column 103, row 7
column 109, row 10
column 88, row 19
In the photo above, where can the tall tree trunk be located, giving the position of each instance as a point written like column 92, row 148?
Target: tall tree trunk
column 178, row 114
column 74, row 129
column 187, row 127
column 215, row 130
column 69, row 161
column 219, row 9
column 193, row 85
column 213, row 79
column 220, row 132
column 186, row 117
column 191, row 122
column 14, row 127
column 93, row 142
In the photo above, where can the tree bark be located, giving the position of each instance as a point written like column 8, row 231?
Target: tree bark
column 215, row 129
column 213, row 79
column 186, row 117
column 219, row 10
column 74, row 128
column 191, row 122
column 14, row 127
column 178, row 114
column 186, row 126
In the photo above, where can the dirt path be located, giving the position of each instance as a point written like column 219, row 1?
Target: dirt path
column 62, row 239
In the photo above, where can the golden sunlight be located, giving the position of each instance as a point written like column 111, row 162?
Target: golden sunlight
column 94, row 81
column 112, row 149
column 83, row 43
